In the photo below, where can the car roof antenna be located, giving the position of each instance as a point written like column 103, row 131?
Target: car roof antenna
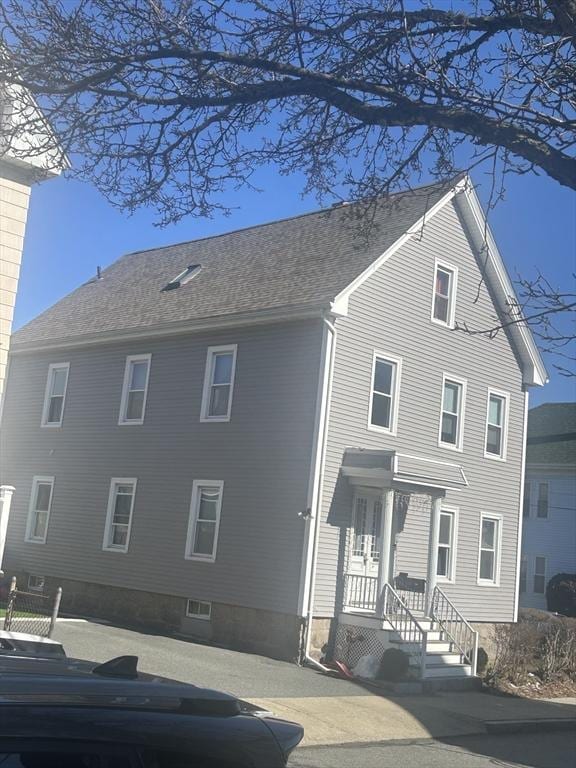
column 121, row 666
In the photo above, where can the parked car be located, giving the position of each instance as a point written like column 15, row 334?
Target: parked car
column 58, row 712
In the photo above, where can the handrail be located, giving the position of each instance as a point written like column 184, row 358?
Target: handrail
column 396, row 612
column 455, row 626
column 360, row 592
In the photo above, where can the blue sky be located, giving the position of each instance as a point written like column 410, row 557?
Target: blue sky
column 72, row 229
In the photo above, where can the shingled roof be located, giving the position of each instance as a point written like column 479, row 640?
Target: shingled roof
column 293, row 263
column 552, row 434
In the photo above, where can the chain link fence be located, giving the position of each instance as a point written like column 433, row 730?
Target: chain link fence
column 31, row 612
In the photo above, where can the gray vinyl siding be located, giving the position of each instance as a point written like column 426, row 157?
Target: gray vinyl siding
column 553, row 537
column 262, row 455
column 390, row 312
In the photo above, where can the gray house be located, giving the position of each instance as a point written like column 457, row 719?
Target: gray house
column 276, row 439
column 549, row 529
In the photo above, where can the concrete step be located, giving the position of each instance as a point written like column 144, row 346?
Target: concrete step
column 435, row 684
column 432, row 646
column 448, row 670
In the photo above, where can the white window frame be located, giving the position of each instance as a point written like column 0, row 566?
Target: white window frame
column 107, row 546
column 36, row 480
column 498, row 551
column 122, row 420
column 191, row 615
column 463, row 383
column 451, row 577
column 504, row 445
column 48, row 396
column 394, row 393
column 197, row 486
column 446, row 267
column 211, row 353
column 538, row 516
column 535, row 574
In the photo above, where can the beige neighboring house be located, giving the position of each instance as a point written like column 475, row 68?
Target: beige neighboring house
column 26, row 157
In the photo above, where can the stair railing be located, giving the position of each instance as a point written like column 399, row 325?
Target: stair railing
column 455, row 627
column 398, row 615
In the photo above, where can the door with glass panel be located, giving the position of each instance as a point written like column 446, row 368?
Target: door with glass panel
column 366, row 528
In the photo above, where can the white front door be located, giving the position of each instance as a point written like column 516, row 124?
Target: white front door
column 365, row 534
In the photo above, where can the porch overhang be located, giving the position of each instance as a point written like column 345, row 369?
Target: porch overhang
column 369, row 468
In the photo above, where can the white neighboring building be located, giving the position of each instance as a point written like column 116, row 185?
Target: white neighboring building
column 549, row 526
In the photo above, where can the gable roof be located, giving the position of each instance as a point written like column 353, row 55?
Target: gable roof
column 552, row 434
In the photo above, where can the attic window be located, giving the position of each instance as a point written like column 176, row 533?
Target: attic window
column 184, row 277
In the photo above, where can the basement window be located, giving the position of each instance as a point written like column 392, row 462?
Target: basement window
column 184, row 277
column 35, row 583
column 196, row 609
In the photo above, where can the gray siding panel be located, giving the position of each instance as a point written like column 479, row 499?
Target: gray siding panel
column 262, row 455
column 390, row 312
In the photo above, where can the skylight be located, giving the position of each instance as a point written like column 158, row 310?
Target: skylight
column 184, row 277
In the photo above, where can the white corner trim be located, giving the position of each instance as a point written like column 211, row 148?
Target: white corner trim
column 453, row 270
column 47, row 395
column 106, row 546
column 459, row 447
column 340, row 302
column 36, row 480
column 497, row 554
column 395, row 393
column 506, row 397
column 197, row 485
column 521, row 508
column 122, row 420
column 211, row 352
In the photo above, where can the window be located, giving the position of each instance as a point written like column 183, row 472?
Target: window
column 53, row 411
column 446, row 545
column 542, row 508
column 197, row 609
column 526, row 501
column 218, row 383
column 523, row 574
column 134, row 389
column 539, row 575
column 452, row 416
column 119, row 514
column 488, row 565
column 39, row 510
column 35, row 583
column 496, row 424
column 204, row 522
column 184, row 277
column 443, row 303
column 383, row 410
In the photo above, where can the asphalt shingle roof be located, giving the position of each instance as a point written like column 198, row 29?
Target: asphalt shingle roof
column 552, row 434
column 305, row 260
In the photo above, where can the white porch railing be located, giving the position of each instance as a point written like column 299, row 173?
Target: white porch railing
column 404, row 623
column 455, row 626
column 360, row 592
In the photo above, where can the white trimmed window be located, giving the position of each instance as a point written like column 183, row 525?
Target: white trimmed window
column 523, row 574
column 55, row 395
column 119, row 514
column 35, row 583
column 452, row 416
column 446, row 545
column 385, row 393
column 542, row 507
column 526, row 500
column 489, row 555
column 496, row 425
column 39, row 509
column 204, row 521
column 539, row 575
column 134, row 389
column 444, row 295
column 198, row 609
column 218, row 383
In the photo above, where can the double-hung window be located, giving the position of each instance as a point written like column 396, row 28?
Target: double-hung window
column 539, row 575
column 452, row 416
column 204, row 522
column 496, row 425
column 384, row 397
column 523, row 574
column 446, row 545
column 526, row 500
column 218, row 383
column 119, row 514
column 55, row 395
column 489, row 556
column 444, row 295
column 542, row 507
column 39, row 509
column 135, row 389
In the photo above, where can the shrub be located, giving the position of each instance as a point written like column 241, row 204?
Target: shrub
column 394, row 665
column 482, row 661
column 561, row 594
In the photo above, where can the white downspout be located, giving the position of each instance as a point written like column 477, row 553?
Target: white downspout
column 316, row 510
